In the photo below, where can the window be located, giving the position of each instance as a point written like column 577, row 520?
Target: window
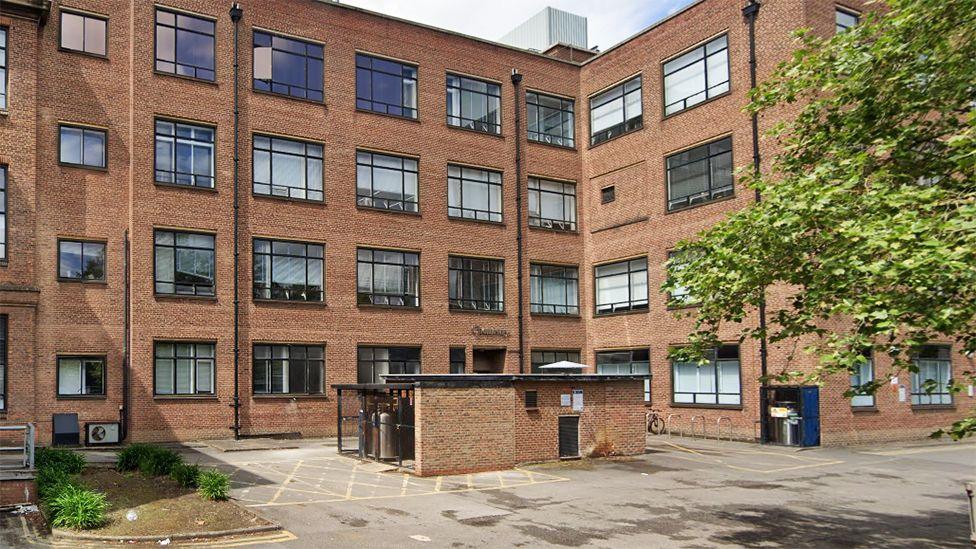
column 375, row 362
column 680, row 296
column 457, row 360
column 82, row 146
column 543, row 358
column 3, row 68
column 531, row 400
column 83, row 33
column 386, row 182
column 629, row 362
column 554, row 289
column 287, row 168
column 476, row 284
column 185, row 45
column 844, row 19
column 81, row 261
column 864, row 375
column 289, row 369
column 552, row 204
column 621, row 286
column 700, row 175
column 81, row 376
column 3, row 362
column 288, row 66
column 551, row 119
column 184, row 368
column 385, row 86
column 473, row 104
column 930, row 384
column 473, row 193
column 184, row 263
column 616, row 111
column 3, row 213
column 608, row 194
column 184, row 154
column 696, row 76
column 715, row 382
column 288, row 271
column 388, row 277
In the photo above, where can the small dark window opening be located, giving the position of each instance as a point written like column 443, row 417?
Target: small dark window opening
column 608, row 194
column 457, row 360
column 531, row 400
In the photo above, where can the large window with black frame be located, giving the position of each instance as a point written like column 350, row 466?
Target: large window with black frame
column 696, row 76
column 627, row 362
column 3, row 68
column 701, row 174
column 288, row 66
column 3, row 362
column 287, row 168
column 473, row 104
column 845, row 19
column 183, row 368
column 184, row 263
column 386, row 182
column 553, row 289
column 616, row 111
column 289, row 369
column 863, row 376
column 677, row 262
column 184, row 154
column 386, row 86
column 544, row 358
column 621, row 286
column 81, row 261
column 83, row 32
column 474, row 193
column 552, row 204
column 389, row 278
column 81, row 376
column 82, row 146
column 288, row 271
column 931, row 381
column 716, row 382
column 185, row 44
column 476, row 284
column 375, row 362
column 3, row 212
column 551, row 119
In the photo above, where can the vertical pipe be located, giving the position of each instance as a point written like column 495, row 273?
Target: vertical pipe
column 235, row 15
column 339, row 419
column 124, row 409
column 516, row 82
column 751, row 11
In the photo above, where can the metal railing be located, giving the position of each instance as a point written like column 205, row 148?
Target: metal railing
column 26, row 449
column 718, row 427
column 696, row 420
column 668, row 424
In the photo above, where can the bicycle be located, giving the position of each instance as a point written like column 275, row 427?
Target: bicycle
column 655, row 423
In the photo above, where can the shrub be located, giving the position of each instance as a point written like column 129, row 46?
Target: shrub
column 50, row 482
column 130, row 456
column 185, row 475
column 158, row 461
column 214, row 485
column 78, row 508
column 58, row 458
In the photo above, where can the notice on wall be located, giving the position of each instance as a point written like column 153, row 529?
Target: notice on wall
column 577, row 400
column 970, row 390
column 564, row 400
column 902, row 393
column 775, row 411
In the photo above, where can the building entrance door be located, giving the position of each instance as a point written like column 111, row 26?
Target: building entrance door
column 568, row 436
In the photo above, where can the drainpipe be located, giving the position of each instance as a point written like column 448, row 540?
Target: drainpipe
column 517, row 83
column 751, row 12
column 235, row 15
column 126, row 322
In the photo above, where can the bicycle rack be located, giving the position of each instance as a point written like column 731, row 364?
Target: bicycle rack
column 718, row 427
column 695, row 421
column 667, row 425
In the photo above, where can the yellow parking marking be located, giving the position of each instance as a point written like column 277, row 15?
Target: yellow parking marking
column 286, row 481
column 437, row 485
column 810, row 462
column 926, row 450
column 406, row 481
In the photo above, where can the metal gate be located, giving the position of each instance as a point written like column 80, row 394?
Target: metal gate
column 383, row 416
column 569, row 436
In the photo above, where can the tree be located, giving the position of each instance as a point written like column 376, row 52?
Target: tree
column 868, row 214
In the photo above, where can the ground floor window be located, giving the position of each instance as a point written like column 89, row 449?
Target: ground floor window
column 184, row 368
column 864, row 373
column 541, row 358
column 457, row 360
column 375, row 362
column 930, row 384
column 714, row 382
column 81, row 376
column 631, row 361
column 289, row 369
column 3, row 362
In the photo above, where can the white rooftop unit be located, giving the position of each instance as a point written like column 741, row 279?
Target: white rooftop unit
column 546, row 28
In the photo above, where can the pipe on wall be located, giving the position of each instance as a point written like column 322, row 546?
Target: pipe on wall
column 236, row 12
column 517, row 83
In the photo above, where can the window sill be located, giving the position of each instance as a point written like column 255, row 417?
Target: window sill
column 388, row 115
column 95, row 283
column 83, row 53
column 4, row 112
column 476, row 132
column 266, row 301
column 567, row 316
column 472, row 312
column 390, row 307
column 534, row 409
column 81, row 397
column 189, row 297
column 480, row 221
column 187, row 187
column 553, row 145
column 696, row 105
column 185, row 77
column 707, row 406
column 864, row 409
column 622, row 313
column 558, row 231
column 933, row 407
column 290, row 397
column 616, row 137
column 387, row 210
column 290, row 97
column 83, row 167
column 683, row 307
column 202, row 398
column 700, row 204
column 287, row 198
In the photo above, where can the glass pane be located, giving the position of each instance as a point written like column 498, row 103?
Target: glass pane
column 164, row 376
column 69, row 376
column 72, row 31
column 71, row 145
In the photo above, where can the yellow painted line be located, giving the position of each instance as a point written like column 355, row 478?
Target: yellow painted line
column 707, row 458
column 501, row 481
column 406, row 481
column 281, row 489
column 276, row 537
column 926, row 450
column 352, row 480
column 437, row 485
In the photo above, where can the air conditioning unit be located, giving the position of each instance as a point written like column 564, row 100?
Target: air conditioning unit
column 101, row 433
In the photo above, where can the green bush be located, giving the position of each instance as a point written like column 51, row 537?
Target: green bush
column 129, row 457
column 158, row 461
column 214, row 485
column 50, row 482
column 59, row 458
column 185, row 475
column 78, row 508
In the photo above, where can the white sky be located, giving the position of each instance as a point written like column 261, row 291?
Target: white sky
column 609, row 21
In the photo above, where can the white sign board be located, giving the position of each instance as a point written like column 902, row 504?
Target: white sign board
column 564, row 400
column 577, row 400
column 901, row 393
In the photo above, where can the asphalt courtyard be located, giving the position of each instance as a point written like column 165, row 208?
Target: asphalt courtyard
column 681, row 493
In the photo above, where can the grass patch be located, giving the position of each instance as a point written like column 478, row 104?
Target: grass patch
column 214, row 485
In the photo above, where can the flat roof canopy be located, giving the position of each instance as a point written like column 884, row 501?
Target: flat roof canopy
column 482, row 380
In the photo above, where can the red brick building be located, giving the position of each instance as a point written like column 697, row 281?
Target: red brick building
column 376, row 215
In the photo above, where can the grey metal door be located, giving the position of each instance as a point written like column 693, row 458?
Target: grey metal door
column 568, row 436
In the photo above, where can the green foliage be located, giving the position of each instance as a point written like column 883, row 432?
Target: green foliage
column 70, row 462
column 185, row 475
column 214, row 485
column 51, row 480
column 78, row 508
column 868, row 215
column 158, row 461
column 131, row 455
